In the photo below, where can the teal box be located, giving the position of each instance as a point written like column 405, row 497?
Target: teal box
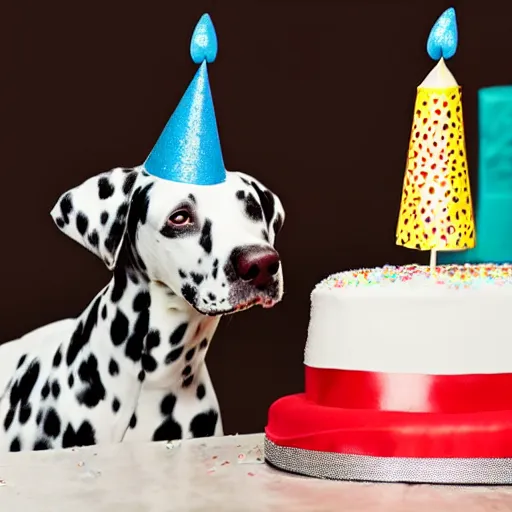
column 494, row 204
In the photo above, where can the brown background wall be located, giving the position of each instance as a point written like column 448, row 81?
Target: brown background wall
column 315, row 98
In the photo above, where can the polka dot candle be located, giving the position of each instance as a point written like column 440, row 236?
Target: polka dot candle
column 451, row 276
column 436, row 211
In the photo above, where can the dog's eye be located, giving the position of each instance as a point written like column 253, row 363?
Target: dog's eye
column 180, row 218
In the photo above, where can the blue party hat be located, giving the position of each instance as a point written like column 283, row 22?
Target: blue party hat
column 188, row 150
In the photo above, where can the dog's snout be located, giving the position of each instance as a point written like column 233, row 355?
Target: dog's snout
column 256, row 264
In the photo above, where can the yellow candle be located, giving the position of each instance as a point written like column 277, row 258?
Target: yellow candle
column 436, row 211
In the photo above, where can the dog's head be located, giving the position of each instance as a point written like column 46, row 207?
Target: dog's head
column 211, row 245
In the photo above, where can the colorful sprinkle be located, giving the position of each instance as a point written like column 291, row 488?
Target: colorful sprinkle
column 451, row 276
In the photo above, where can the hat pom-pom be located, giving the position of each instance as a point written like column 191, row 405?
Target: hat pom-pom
column 203, row 45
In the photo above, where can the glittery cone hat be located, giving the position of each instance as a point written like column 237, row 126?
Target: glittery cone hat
column 188, row 150
column 436, row 211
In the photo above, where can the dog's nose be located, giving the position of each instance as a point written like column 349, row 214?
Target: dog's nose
column 256, row 264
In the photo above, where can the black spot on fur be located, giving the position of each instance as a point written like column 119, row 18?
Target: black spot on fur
column 22, row 389
column 134, row 345
column 203, row 424
column 21, row 360
column 240, row 194
column 142, row 301
column 104, row 312
column 129, row 182
column 113, row 368
column 15, row 445
column 148, row 363
column 42, row 444
column 120, row 283
column 57, row 358
column 8, row 419
column 51, row 425
column 14, row 396
column 93, row 391
column 116, row 404
column 94, row 238
column 82, row 333
column 267, row 202
column 117, row 229
column 253, row 209
column 214, row 272
column 45, row 391
column 60, row 222
column 203, row 344
column 133, row 421
column 197, row 278
column 104, row 218
column 169, row 429
column 188, row 381
column 200, row 391
column 173, row 355
column 186, row 371
column 105, row 188
column 71, row 380
column 189, row 293
column 141, row 376
column 66, row 207
column 140, row 205
column 119, row 328
column 55, row 389
column 182, row 273
column 152, row 340
column 82, row 223
column 190, row 354
column 192, row 198
column 133, row 276
column 68, row 439
column 178, row 333
column 278, row 224
column 168, row 404
column 138, row 214
column 24, row 413
column 206, row 236
column 84, row 436
column 39, row 417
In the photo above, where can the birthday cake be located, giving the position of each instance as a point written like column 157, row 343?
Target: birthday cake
column 407, row 378
column 408, row 370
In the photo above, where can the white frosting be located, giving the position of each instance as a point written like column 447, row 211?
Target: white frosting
column 440, row 77
column 424, row 324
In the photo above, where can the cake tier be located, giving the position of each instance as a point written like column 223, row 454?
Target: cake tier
column 412, row 320
column 328, row 442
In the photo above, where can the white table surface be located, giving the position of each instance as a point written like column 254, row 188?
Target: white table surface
column 216, row 474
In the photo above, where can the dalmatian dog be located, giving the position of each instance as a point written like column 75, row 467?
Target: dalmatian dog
column 132, row 367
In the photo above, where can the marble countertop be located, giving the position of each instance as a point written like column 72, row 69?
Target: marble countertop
column 214, row 475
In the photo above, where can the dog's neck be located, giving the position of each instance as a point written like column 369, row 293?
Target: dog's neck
column 150, row 331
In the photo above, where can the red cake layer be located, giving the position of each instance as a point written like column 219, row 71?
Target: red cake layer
column 295, row 422
column 351, row 389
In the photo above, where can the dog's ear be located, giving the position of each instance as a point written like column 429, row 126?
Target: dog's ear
column 273, row 210
column 95, row 213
